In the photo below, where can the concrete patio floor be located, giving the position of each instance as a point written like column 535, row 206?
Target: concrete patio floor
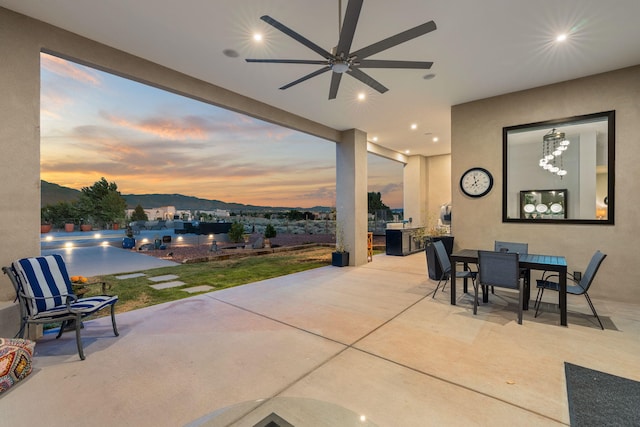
column 364, row 346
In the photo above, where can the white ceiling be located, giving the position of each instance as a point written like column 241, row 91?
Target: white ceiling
column 480, row 49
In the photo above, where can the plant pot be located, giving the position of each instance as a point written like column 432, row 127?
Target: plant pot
column 69, row 227
column 340, row 259
column 45, row 228
column 85, row 227
column 116, row 226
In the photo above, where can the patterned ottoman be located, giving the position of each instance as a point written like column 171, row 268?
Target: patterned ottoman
column 15, row 361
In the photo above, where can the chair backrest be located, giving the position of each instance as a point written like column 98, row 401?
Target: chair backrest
column 443, row 258
column 499, row 269
column 592, row 269
column 43, row 277
column 519, row 248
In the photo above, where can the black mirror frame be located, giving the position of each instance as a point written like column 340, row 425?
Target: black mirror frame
column 611, row 138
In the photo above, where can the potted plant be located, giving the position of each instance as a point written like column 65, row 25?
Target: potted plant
column 46, row 219
column 419, row 237
column 340, row 257
column 85, row 226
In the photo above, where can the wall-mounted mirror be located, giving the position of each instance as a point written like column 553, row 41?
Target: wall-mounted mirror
column 574, row 155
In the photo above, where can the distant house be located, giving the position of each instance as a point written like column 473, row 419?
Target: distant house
column 160, row 213
column 171, row 213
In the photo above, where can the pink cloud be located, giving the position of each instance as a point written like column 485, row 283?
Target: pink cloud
column 165, row 128
column 68, row 69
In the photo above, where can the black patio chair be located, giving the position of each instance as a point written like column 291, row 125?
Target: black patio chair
column 517, row 247
column 445, row 265
column 580, row 288
column 499, row 269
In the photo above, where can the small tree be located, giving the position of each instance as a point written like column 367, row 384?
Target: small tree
column 374, row 203
column 294, row 215
column 101, row 203
column 236, row 232
column 270, row 231
column 139, row 214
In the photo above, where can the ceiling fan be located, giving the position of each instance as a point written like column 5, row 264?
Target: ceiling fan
column 341, row 60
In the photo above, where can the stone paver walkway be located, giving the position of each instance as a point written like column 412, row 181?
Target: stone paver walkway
column 168, row 281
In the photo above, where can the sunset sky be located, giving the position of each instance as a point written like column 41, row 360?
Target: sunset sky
column 146, row 140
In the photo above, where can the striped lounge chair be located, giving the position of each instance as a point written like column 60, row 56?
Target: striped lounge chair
column 45, row 295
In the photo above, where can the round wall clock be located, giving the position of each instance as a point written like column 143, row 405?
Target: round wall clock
column 476, row 182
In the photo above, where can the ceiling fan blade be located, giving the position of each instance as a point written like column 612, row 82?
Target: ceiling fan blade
column 290, row 61
column 381, row 63
column 349, row 27
column 367, row 79
column 307, row 77
column 288, row 31
column 395, row 40
column 335, row 83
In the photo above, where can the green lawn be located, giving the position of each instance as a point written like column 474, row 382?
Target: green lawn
column 136, row 293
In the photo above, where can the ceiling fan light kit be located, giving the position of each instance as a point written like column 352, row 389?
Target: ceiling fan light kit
column 342, row 60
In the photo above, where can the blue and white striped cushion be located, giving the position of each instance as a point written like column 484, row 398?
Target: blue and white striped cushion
column 44, row 276
column 85, row 306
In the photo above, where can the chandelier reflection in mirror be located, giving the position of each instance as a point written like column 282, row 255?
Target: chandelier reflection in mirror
column 554, row 144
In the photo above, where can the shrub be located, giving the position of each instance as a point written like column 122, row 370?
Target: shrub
column 236, row 232
column 270, row 231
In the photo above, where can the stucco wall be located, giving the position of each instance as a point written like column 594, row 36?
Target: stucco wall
column 20, row 144
column 427, row 185
column 477, row 141
column 439, row 190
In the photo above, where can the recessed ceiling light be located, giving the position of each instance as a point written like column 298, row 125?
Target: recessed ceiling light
column 361, row 96
column 435, row 139
column 561, row 38
column 406, row 151
column 428, row 76
column 414, row 126
column 231, row 53
column 257, row 37
column 375, row 139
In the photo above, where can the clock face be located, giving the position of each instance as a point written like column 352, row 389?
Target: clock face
column 476, row 182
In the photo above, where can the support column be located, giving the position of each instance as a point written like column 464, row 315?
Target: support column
column 416, row 178
column 351, row 194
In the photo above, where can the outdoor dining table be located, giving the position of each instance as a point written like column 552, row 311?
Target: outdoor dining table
column 526, row 261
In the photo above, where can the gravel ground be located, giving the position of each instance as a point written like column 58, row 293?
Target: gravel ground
column 185, row 253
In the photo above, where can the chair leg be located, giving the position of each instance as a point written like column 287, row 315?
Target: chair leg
column 444, row 284
column 78, row 321
column 593, row 309
column 443, row 277
column 113, row 319
column 475, row 297
column 477, row 286
column 23, row 329
column 62, row 326
column 520, row 301
column 538, row 300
